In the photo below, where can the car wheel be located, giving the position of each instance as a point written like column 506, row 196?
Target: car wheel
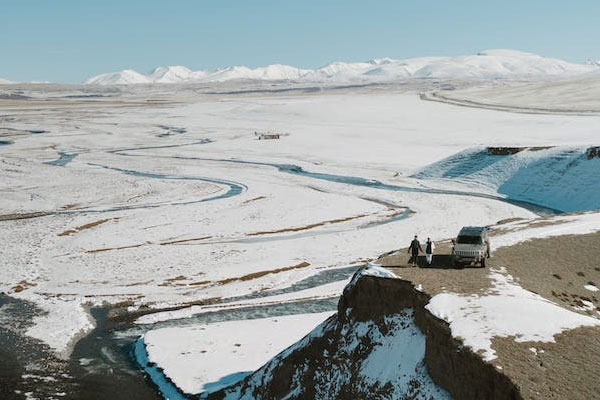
column 483, row 263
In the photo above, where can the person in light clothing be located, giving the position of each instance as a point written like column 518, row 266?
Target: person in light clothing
column 429, row 246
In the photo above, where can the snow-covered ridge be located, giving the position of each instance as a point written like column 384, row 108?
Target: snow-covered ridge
column 563, row 178
column 375, row 344
column 5, row 81
column 490, row 64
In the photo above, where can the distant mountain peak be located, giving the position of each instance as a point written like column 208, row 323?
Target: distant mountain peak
column 487, row 64
column 595, row 63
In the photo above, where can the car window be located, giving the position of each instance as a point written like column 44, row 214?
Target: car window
column 469, row 240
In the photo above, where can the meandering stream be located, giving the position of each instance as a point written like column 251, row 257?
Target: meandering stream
column 103, row 364
column 109, row 361
column 365, row 182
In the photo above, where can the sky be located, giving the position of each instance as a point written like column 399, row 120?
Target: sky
column 71, row 40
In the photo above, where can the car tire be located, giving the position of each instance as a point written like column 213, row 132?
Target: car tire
column 483, row 263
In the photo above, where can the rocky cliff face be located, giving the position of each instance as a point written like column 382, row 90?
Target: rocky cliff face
column 382, row 344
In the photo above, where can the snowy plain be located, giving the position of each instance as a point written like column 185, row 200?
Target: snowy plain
column 171, row 200
column 217, row 350
column 579, row 94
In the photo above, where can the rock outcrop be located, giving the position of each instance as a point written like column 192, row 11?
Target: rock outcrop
column 382, row 343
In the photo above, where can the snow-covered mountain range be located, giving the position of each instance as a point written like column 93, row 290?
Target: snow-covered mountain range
column 595, row 63
column 491, row 64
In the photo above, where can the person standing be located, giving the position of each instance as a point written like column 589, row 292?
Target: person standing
column 429, row 247
column 414, row 249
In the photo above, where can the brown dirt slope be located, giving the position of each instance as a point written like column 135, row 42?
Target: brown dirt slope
column 556, row 268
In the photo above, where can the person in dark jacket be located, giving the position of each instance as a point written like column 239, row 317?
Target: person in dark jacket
column 414, row 249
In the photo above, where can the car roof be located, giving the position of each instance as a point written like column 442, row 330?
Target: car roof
column 473, row 230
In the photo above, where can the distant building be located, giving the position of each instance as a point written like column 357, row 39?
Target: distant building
column 267, row 135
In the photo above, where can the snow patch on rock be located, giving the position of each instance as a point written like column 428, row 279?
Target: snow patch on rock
column 591, row 288
column 393, row 367
column 371, row 270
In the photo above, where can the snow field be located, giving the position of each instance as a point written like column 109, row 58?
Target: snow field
column 208, row 357
column 520, row 231
column 562, row 177
column 376, row 136
column 574, row 94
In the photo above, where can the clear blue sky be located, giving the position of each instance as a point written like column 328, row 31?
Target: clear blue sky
column 71, row 40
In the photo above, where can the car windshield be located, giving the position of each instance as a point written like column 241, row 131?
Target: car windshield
column 469, row 240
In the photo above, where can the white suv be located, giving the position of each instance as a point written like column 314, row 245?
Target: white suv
column 471, row 246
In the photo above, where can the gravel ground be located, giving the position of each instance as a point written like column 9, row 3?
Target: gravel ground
column 556, row 268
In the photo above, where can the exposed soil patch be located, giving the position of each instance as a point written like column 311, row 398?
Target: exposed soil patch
column 542, row 224
column 306, row 227
column 177, row 278
column 508, row 220
column 70, row 206
column 185, row 240
column 538, row 223
column 254, row 199
column 556, row 268
column 260, row 274
column 137, row 284
column 177, row 281
column 10, row 217
column 23, row 285
column 563, row 370
column 116, row 248
column 90, row 225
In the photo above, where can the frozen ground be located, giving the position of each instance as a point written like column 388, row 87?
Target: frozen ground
column 170, row 200
column 218, row 354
